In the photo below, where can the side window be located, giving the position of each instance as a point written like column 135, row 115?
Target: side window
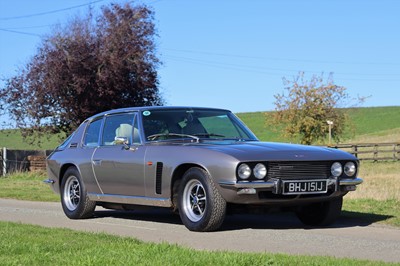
column 66, row 142
column 117, row 126
column 92, row 133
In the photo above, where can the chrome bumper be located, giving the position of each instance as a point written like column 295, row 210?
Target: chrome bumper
column 350, row 182
column 274, row 185
column 49, row 181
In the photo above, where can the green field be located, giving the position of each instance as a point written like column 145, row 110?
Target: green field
column 12, row 139
column 375, row 119
column 370, row 124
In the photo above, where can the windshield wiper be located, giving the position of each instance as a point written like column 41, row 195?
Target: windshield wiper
column 167, row 135
column 208, row 135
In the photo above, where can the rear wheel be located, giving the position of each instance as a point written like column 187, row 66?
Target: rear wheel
column 74, row 199
column 321, row 213
column 201, row 207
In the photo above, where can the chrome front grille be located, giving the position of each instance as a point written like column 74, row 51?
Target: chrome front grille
column 299, row 170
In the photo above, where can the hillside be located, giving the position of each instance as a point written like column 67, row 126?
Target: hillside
column 12, row 139
column 369, row 124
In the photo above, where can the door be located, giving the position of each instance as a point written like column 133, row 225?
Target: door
column 118, row 165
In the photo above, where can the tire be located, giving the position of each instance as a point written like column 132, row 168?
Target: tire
column 321, row 213
column 74, row 199
column 201, row 206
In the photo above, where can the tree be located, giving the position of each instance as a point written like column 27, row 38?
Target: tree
column 92, row 65
column 305, row 107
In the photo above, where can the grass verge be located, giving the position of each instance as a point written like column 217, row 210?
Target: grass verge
column 26, row 186
column 373, row 211
column 34, row 245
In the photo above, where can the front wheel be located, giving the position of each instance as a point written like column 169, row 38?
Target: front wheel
column 321, row 213
column 201, row 206
column 74, row 199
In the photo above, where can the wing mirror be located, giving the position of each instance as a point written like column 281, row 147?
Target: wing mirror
column 122, row 141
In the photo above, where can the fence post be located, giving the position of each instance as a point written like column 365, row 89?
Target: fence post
column 4, row 161
column 375, row 152
column 355, row 150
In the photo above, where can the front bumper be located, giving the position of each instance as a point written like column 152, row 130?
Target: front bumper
column 275, row 185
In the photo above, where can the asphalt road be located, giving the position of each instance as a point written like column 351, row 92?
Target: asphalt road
column 278, row 233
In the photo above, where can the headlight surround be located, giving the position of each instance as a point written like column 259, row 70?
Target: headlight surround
column 350, row 169
column 260, row 171
column 244, row 171
column 336, row 169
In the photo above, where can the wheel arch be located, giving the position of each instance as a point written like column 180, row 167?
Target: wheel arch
column 176, row 179
column 64, row 169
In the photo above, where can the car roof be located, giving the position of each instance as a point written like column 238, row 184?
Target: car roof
column 149, row 108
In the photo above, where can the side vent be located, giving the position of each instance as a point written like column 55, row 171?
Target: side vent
column 159, row 177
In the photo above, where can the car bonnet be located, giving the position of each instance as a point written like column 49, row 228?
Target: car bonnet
column 256, row 150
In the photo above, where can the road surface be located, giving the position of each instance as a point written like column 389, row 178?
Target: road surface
column 277, row 233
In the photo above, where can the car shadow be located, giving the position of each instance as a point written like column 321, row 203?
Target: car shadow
column 274, row 220
column 288, row 220
column 363, row 219
column 157, row 215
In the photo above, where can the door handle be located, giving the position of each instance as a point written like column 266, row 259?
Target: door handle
column 133, row 148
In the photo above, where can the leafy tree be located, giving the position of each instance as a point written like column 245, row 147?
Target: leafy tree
column 91, row 65
column 305, row 106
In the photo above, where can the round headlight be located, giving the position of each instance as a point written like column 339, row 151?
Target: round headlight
column 244, row 171
column 336, row 169
column 350, row 169
column 260, row 171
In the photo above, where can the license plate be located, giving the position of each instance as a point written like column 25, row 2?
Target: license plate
column 296, row 187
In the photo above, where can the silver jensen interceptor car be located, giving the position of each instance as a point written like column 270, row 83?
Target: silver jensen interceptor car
column 199, row 162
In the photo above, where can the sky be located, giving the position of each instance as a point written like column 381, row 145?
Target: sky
column 234, row 54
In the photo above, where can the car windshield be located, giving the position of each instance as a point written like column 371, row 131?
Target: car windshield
column 194, row 125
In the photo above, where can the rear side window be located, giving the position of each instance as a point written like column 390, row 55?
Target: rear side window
column 92, row 133
column 66, row 142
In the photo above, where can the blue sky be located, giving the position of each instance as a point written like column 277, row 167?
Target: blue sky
column 234, row 54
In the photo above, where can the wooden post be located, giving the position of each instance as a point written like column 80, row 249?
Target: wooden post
column 330, row 123
column 355, row 150
column 375, row 152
